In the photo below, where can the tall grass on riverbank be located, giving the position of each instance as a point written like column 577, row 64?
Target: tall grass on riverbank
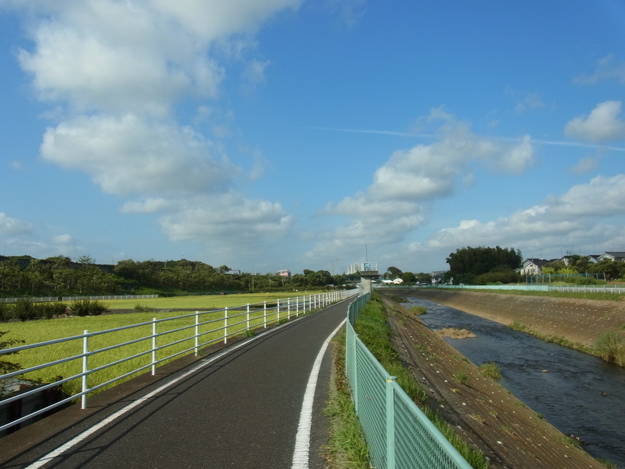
column 373, row 329
column 611, row 348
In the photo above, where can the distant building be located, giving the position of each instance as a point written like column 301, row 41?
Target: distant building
column 533, row 266
column 612, row 256
column 284, row 273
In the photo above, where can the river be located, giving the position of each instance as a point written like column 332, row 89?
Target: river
column 579, row 394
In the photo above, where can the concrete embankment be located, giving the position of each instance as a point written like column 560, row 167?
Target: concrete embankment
column 577, row 320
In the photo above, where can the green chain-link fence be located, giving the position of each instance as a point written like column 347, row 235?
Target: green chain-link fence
column 398, row 433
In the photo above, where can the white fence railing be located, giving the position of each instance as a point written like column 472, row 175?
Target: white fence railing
column 564, row 288
column 48, row 299
column 123, row 352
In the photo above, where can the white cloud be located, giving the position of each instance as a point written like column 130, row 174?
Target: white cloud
column 254, row 73
column 227, row 218
column 608, row 68
column 580, row 216
column 349, row 11
column 602, row 124
column 529, row 101
column 131, row 156
column 12, row 226
column 585, row 165
column 396, row 203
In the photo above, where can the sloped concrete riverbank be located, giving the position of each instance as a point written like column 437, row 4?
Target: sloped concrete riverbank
column 576, row 320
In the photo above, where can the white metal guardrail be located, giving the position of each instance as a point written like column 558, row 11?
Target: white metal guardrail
column 145, row 350
column 49, row 299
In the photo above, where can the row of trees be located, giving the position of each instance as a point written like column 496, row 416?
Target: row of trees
column 576, row 264
column 484, row 265
column 408, row 277
column 487, row 265
column 60, row 276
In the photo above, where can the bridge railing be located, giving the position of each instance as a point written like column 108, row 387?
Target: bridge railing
column 91, row 361
column 398, row 433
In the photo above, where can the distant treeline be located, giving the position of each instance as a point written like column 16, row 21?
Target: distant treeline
column 60, row 276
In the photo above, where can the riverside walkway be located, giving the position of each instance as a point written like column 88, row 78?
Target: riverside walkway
column 239, row 407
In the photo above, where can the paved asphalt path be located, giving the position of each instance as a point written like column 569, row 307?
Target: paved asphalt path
column 239, row 411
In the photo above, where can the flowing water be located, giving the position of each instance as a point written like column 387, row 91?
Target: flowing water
column 579, row 394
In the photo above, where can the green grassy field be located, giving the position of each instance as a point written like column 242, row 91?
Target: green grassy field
column 204, row 302
column 212, row 324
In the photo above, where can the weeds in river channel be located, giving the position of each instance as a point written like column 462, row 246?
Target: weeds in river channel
column 490, row 370
column 610, row 346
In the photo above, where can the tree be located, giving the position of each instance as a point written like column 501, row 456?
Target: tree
column 467, row 263
column 393, row 272
column 408, row 277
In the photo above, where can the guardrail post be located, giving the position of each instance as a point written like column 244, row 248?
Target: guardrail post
column 390, row 422
column 85, row 369
column 197, row 332
column 265, row 314
column 153, row 346
column 248, row 316
column 226, row 325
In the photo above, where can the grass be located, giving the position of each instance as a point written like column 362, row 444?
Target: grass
column 490, row 370
column 461, row 377
column 418, row 310
column 611, row 348
column 373, row 330
column 203, row 302
column 346, row 447
column 45, row 330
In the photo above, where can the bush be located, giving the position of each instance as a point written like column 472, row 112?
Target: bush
column 87, row 307
column 25, row 310
column 6, row 312
column 5, row 366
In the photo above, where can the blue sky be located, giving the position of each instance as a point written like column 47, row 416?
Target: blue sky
column 270, row 134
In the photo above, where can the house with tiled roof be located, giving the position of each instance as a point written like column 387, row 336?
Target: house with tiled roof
column 612, row 256
column 533, row 266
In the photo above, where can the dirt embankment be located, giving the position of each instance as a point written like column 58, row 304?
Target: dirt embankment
column 576, row 320
column 483, row 412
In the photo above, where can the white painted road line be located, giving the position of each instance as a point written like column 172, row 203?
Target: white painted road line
column 302, row 440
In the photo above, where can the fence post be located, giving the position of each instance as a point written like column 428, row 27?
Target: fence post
column 265, row 314
column 278, row 310
column 297, row 306
column 85, row 368
column 197, row 331
column 288, row 308
column 153, row 346
column 354, row 346
column 390, row 422
column 226, row 325
column 248, row 316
